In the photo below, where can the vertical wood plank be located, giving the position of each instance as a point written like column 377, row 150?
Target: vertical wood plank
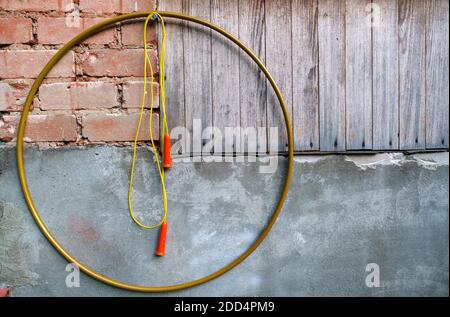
column 305, row 75
column 252, row 83
column 385, row 75
column 437, row 74
column 197, row 71
column 225, row 71
column 358, row 76
column 319, row 52
column 279, row 63
column 174, row 68
column 331, row 26
column 412, row 20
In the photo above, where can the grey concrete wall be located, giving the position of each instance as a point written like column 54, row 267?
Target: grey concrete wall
column 341, row 214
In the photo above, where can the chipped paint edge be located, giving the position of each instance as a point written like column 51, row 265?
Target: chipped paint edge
column 429, row 161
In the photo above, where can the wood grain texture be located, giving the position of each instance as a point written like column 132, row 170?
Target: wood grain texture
column 279, row 63
column 225, row 72
column 347, row 86
column 437, row 74
column 358, row 76
column 331, row 26
column 174, row 69
column 385, row 75
column 412, row 21
column 305, row 75
column 252, row 83
column 197, row 71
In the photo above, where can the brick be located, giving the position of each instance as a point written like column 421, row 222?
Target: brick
column 115, row 6
column 29, row 63
column 15, row 30
column 132, row 94
column 132, row 34
column 111, row 62
column 44, row 128
column 59, row 30
column 77, row 95
column 5, row 292
column 101, row 127
column 13, row 95
column 36, row 5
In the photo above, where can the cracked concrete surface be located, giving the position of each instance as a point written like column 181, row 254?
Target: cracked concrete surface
column 342, row 213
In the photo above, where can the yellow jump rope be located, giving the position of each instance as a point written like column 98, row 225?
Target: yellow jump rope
column 167, row 163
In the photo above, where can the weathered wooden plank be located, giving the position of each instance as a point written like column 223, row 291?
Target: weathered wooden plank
column 279, row 63
column 331, row 26
column 358, row 77
column 225, row 73
column 412, row 20
column 331, row 102
column 385, row 74
column 252, row 83
column 197, row 72
column 174, row 69
column 437, row 74
column 305, row 75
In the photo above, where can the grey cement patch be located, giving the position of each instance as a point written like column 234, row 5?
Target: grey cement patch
column 340, row 215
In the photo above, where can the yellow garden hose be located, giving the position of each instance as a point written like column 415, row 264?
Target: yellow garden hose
column 21, row 168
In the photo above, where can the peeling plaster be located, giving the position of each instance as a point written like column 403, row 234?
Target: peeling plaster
column 432, row 160
column 16, row 251
column 426, row 160
column 310, row 158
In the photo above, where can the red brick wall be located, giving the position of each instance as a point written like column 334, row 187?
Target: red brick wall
column 93, row 94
